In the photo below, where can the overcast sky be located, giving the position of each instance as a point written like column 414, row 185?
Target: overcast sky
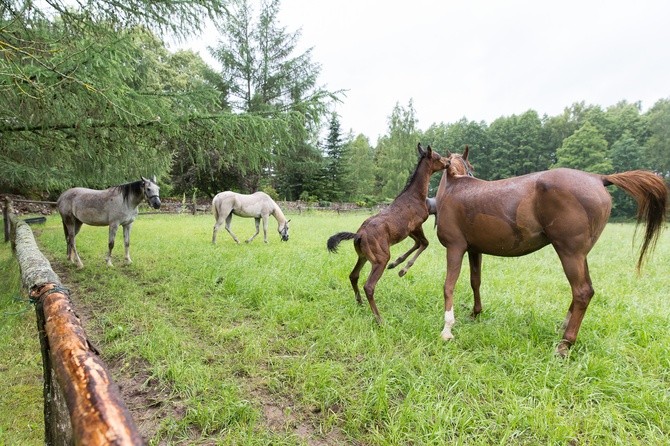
column 480, row 59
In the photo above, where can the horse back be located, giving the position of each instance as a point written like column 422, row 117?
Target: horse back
column 396, row 221
column 519, row 215
column 253, row 205
column 95, row 207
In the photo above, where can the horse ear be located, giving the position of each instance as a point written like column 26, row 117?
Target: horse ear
column 144, row 179
column 429, row 151
column 420, row 149
column 154, row 179
column 465, row 152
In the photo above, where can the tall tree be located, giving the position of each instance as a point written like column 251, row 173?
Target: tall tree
column 626, row 154
column 396, row 152
column 517, row 145
column 586, row 150
column 360, row 171
column 658, row 144
column 335, row 167
column 265, row 77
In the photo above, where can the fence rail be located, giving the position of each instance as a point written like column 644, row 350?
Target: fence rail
column 82, row 404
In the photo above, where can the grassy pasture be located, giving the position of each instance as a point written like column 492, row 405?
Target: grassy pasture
column 257, row 344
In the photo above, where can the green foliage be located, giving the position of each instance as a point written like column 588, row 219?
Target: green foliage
column 658, row 143
column 396, row 153
column 360, row 168
column 586, row 150
column 265, row 78
column 514, row 147
column 336, row 177
column 86, row 95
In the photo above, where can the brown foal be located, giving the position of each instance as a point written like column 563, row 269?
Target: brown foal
column 401, row 219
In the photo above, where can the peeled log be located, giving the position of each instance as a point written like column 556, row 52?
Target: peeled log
column 97, row 413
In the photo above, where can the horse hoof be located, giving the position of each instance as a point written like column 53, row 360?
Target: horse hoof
column 391, row 266
column 447, row 335
column 563, row 349
column 402, row 272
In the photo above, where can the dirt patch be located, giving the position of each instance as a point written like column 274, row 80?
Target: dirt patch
column 280, row 415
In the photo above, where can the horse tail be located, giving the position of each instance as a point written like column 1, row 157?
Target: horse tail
column 215, row 209
column 651, row 194
column 335, row 240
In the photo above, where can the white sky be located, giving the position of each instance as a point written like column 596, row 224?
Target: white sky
column 480, row 59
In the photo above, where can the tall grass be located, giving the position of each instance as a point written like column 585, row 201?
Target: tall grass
column 256, row 344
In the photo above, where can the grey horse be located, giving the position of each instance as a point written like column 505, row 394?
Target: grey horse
column 111, row 207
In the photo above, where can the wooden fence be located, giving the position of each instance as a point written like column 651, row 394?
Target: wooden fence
column 82, row 404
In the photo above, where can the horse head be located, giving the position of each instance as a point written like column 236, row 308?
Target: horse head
column 437, row 162
column 283, row 231
column 150, row 189
column 459, row 164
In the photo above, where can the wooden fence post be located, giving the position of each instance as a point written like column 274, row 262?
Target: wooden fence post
column 5, row 217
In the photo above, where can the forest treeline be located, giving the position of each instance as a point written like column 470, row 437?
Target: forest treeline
column 92, row 96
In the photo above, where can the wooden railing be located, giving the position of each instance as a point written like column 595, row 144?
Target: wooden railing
column 82, row 404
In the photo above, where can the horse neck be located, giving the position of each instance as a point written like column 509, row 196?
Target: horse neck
column 133, row 199
column 420, row 183
column 279, row 215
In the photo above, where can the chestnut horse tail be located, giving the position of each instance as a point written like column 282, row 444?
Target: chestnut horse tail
column 651, row 194
column 335, row 240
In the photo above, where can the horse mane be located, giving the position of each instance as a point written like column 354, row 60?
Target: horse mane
column 413, row 176
column 128, row 189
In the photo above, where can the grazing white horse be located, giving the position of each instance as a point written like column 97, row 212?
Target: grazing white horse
column 257, row 205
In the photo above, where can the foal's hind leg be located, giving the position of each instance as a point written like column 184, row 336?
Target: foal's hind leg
column 354, row 275
column 371, row 283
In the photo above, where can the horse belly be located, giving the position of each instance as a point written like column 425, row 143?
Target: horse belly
column 495, row 236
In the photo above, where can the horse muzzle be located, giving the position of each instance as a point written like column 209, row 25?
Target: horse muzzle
column 155, row 202
column 284, row 238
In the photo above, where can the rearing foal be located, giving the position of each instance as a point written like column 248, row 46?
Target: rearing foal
column 513, row 217
column 402, row 218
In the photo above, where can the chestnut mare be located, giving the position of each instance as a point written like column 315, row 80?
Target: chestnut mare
column 516, row 216
column 402, row 218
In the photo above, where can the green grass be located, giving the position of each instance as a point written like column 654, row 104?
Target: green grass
column 21, row 403
column 264, row 344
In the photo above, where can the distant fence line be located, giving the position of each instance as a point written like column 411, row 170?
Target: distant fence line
column 82, row 404
column 192, row 207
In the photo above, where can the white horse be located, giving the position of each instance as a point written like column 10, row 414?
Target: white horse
column 257, row 205
column 110, row 207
